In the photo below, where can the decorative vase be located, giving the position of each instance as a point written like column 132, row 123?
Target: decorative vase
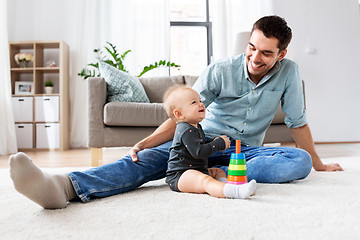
column 49, row 90
column 23, row 64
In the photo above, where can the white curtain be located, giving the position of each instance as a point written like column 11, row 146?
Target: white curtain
column 89, row 37
column 233, row 16
column 141, row 26
column 7, row 127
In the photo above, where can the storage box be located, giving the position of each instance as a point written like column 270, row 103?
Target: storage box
column 24, row 135
column 23, row 109
column 47, row 109
column 47, row 135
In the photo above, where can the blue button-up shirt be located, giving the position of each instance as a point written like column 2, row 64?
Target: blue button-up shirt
column 239, row 108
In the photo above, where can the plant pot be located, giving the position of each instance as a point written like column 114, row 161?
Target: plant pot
column 49, row 90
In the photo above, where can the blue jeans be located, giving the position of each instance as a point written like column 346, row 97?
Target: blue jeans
column 264, row 164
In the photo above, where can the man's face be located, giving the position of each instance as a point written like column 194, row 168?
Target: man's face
column 261, row 55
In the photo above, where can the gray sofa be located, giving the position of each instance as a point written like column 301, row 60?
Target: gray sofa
column 115, row 124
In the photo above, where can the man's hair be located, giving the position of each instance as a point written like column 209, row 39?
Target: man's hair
column 169, row 102
column 274, row 26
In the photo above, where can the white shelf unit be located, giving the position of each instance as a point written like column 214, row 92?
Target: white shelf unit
column 42, row 120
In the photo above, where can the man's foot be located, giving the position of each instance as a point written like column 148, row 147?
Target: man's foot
column 48, row 190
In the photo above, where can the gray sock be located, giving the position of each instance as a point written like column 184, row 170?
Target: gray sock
column 240, row 191
column 48, row 190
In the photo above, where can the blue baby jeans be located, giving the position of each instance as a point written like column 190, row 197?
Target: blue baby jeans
column 264, row 164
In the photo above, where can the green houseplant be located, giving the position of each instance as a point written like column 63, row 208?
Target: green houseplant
column 49, row 87
column 49, row 83
column 116, row 60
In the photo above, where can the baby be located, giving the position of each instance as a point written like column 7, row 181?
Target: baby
column 187, row 165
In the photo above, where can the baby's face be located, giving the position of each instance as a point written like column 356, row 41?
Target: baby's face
column 191, row 108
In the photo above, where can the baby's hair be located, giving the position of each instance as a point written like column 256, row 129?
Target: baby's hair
column 169, row 102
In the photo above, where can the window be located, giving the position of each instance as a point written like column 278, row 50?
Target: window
column 190, row 36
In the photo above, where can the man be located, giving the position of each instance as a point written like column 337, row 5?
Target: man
column 270, row 37
column 241, row 94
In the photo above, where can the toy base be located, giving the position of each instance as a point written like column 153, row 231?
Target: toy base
column 236, row 183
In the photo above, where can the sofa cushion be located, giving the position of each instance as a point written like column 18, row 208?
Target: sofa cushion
column 190, row 80
column 121, row 86
column 279, row 116
column 155, row 87
column 134, row 114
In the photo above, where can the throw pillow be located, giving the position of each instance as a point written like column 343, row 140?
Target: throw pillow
column 121, row 86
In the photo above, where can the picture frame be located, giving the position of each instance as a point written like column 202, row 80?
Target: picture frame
column 24, row 88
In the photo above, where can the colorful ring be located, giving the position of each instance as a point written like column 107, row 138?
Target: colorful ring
column 237, row 167
column 235, row 161
column 237, row 172
column 237, row 156
column 232, row 178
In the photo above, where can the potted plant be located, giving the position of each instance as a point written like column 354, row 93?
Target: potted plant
column 115, row 59
column 49, row 87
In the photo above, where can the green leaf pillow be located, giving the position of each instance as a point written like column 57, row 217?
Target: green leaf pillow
column 121, row 86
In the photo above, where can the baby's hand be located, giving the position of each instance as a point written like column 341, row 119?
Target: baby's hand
column 227, row 141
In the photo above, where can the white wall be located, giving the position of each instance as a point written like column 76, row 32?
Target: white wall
column 47, row 20
column 41, row 20
column 331, row 73
column 331, row 28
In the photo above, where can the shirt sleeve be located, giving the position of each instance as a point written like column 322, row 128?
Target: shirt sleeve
column 198, row 148
column 292, row 102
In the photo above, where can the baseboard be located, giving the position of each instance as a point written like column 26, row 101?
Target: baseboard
column 346, row 142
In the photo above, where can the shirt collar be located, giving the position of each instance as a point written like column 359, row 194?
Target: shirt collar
column 274, row 70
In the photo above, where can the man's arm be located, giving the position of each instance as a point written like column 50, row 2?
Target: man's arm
column 164, row 133
column 304, row 140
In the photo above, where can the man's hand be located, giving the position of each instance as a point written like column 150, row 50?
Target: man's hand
column 133, row 151
column 164, row 133
column 304, row 140
column 227, row 141
column 329, row 167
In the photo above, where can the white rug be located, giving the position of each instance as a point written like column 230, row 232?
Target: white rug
column 324, row 206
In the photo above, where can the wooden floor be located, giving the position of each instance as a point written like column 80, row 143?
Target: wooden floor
column 81, row 157
column 69, row 158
